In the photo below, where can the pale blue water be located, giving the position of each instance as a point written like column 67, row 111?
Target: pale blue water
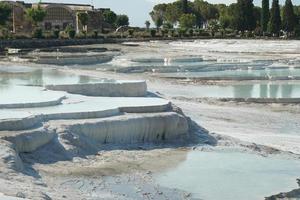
column 255, row 90
column 269, row 73
column 228, row 175
column 42, row 77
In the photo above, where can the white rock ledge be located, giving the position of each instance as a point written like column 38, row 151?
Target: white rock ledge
column 30, row 120
column 34, row 104
column 131, row 128
column 28, row 141
column 115, row 89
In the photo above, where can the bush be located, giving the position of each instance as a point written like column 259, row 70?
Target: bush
column 172, row 32
column 55, row 33
column 80, row 35
column 70, row 31
column 153, row 33
column 130, row 32
column 182, row 32
column 95, row 34
column 297, row 30
column 4, row 33
column 164, row 32
column 37, row 33
column 63, row 35
column 191, row 32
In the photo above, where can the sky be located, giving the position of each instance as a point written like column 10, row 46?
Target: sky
column 137, row 10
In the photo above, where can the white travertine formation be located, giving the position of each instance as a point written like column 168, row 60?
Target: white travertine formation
column 115, row 89
column 74, row 60
column 9, row 158
column 28, row 141
column 33, row 104
column 132, row 128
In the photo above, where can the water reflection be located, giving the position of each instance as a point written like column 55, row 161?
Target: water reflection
column 258, row 90
column 268, row 73
column 41, row 77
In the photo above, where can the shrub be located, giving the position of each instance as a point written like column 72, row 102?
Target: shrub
column 70, row 31
column 172, row 32
column 153, row 33
column 95, row 34
column 4, row 33
column 80, row 35
column 182, row 32
column 130, row 32
column 164, row 32
column 37, row 33
column 191, row 32
column 55, row 33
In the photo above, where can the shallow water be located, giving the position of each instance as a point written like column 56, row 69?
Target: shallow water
column 228, row 175
column 257, row 90
column 41, row 77
column 14, row 94
column 267, row 72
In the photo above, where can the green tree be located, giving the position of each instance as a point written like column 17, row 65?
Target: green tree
column 148, row 24
column 213, row 27
column 245, row 15
column 109, row 17
column 187, row 21
column 206, row 10
column 158, row 14
column 122, row 20
column 36, row 15
column 172, row 13
column 185, row 7
column 158, row 22
column 5, row 12
column 83, row 18
column 288, row 17
column 265, row 15
column 275, row 19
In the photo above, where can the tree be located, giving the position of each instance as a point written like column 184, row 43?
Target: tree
column 158, row 22
column 158, row 14
column 109, row 17
column 172, row 13
column 36, row 15
column 213, row 27
column 275, row 19
column 5, row 12
column 288, row 17
column 148, row 24
column 187, row 21
column 185, row 8
column 206, row 10
column 83, row 18
column 245, row 15
column 265, row 15
column 122, row 20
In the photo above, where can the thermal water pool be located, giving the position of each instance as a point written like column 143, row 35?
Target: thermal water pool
column 267, row 73
column 231, row 175
column 239, row 90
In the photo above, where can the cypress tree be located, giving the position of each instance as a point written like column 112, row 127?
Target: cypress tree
column 265, row 15
column 275, row 19
column 245, row 15
column 288, row 18
column 185, row 8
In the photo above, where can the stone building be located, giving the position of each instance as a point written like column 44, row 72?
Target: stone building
column 59, row 16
